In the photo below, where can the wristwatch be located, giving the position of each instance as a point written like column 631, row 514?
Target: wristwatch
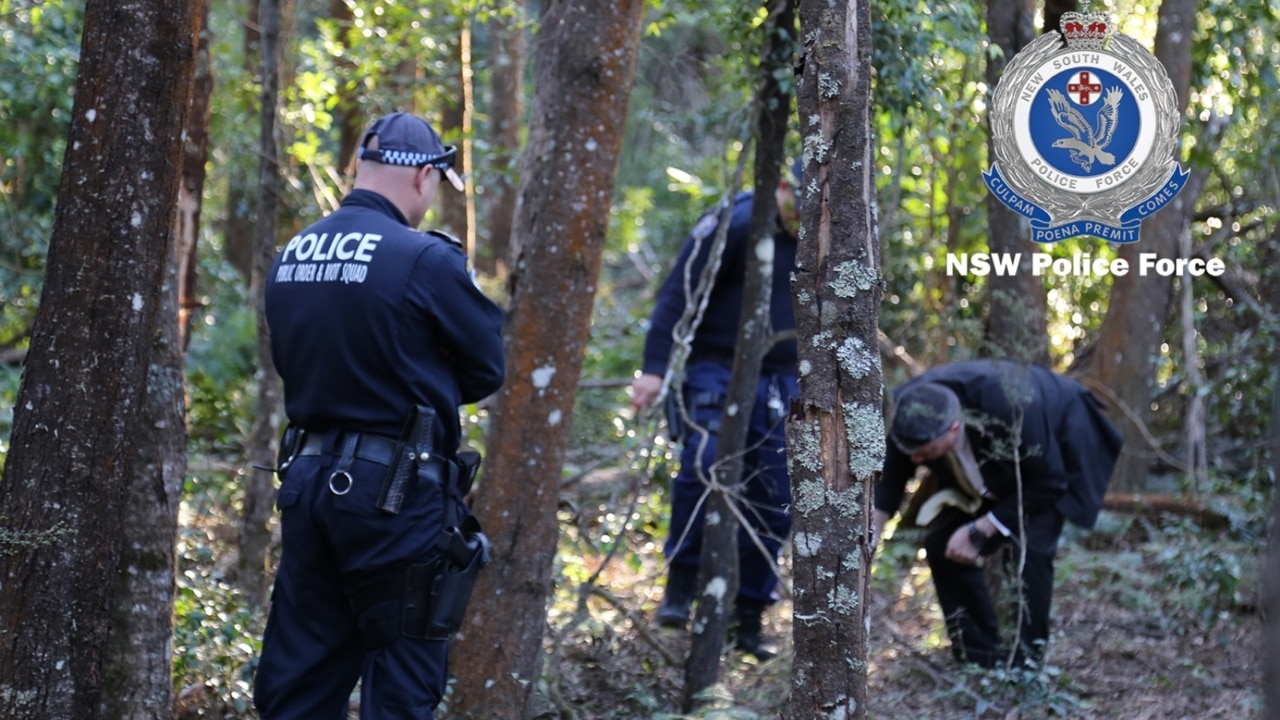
column 976, row 536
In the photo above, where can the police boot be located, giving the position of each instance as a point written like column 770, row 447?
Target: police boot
column 750, row 631
column 677, row 600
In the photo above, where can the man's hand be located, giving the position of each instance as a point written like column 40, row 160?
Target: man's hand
column 961, row 548
column 644, row 390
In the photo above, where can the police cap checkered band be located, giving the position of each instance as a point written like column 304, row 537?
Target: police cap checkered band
column 408, row 140
column 924, row 413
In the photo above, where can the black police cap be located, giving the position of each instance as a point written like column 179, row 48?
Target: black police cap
column 408, row 140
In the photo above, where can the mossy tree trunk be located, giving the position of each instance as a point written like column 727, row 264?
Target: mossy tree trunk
column 835, row 436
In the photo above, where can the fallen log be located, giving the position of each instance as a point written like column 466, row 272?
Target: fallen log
column 1153, row 506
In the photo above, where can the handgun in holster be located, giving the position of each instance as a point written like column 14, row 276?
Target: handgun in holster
column 437, row 593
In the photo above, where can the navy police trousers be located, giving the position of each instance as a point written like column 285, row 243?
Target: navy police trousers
column 765, row 497
column 335, row 543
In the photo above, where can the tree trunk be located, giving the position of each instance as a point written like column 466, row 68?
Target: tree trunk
column 259, row 489
column 346, row 113
column 139, row 675
column 1132, row 330
column 457, row 213
column 195, row 152
column 567, row 190
column 238, row 238
column 719, row 554
column 80, row 404
column 505, row 109
column 836, row 435
column 1015, row 326
column 1271, row 611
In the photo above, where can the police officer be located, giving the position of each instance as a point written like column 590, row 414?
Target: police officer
column 379, row 334
column 766, row 491
column 1013, row 450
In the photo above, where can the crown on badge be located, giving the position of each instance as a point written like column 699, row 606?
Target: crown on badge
column 1086, row 31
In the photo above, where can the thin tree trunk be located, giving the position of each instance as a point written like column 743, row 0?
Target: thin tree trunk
column 195, row 152
column 506, row 82
column 255, row 533
column 1194, row 424
column 238, row 238
column 1271, row 638
column 836, row 435
column 719, row 553
column 1016, row 326
column 457, row 215
column 80, row 406
column 347, row 112
column 569, row 171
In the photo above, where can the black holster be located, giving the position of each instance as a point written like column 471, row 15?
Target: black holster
column 437, row 593
column 432, row 597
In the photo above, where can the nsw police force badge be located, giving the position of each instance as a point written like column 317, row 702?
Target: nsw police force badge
column 1084, row 133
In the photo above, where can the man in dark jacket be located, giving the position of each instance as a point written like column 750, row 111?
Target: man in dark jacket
column 380, row 334
column 1013, row 449
column 766, row 490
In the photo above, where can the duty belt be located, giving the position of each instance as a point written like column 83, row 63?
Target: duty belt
column 373, row 448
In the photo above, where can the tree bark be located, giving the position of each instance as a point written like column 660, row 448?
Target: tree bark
column 506, row 82
column 259, row 490
column 582, row 91
column 1015, row 326
column 835, row 437
column 82, row 398
column 346, row 113
column 1132, row 329
column 1271, row 638
column 195, row 152
column 139, row 675
column 457, row 211
column 719, row 554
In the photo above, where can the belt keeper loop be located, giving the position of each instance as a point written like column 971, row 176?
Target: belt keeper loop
column 349, row 442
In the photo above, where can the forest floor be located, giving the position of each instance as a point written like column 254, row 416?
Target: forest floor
column 1152, row 618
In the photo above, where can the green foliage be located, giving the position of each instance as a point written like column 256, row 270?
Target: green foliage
column 216, row 636
column 39, row 54
column 221, row 360
column 1041, row 692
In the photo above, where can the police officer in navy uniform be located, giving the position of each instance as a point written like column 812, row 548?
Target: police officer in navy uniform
column 373, row 324
column 767, row 489
column 964, row 421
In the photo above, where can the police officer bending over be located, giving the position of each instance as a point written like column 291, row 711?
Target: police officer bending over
column 379, row 334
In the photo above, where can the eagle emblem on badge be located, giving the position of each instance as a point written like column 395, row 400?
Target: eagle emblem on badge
column 1084, row 127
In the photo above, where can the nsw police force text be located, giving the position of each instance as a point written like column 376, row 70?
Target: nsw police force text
column 1079, row 264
